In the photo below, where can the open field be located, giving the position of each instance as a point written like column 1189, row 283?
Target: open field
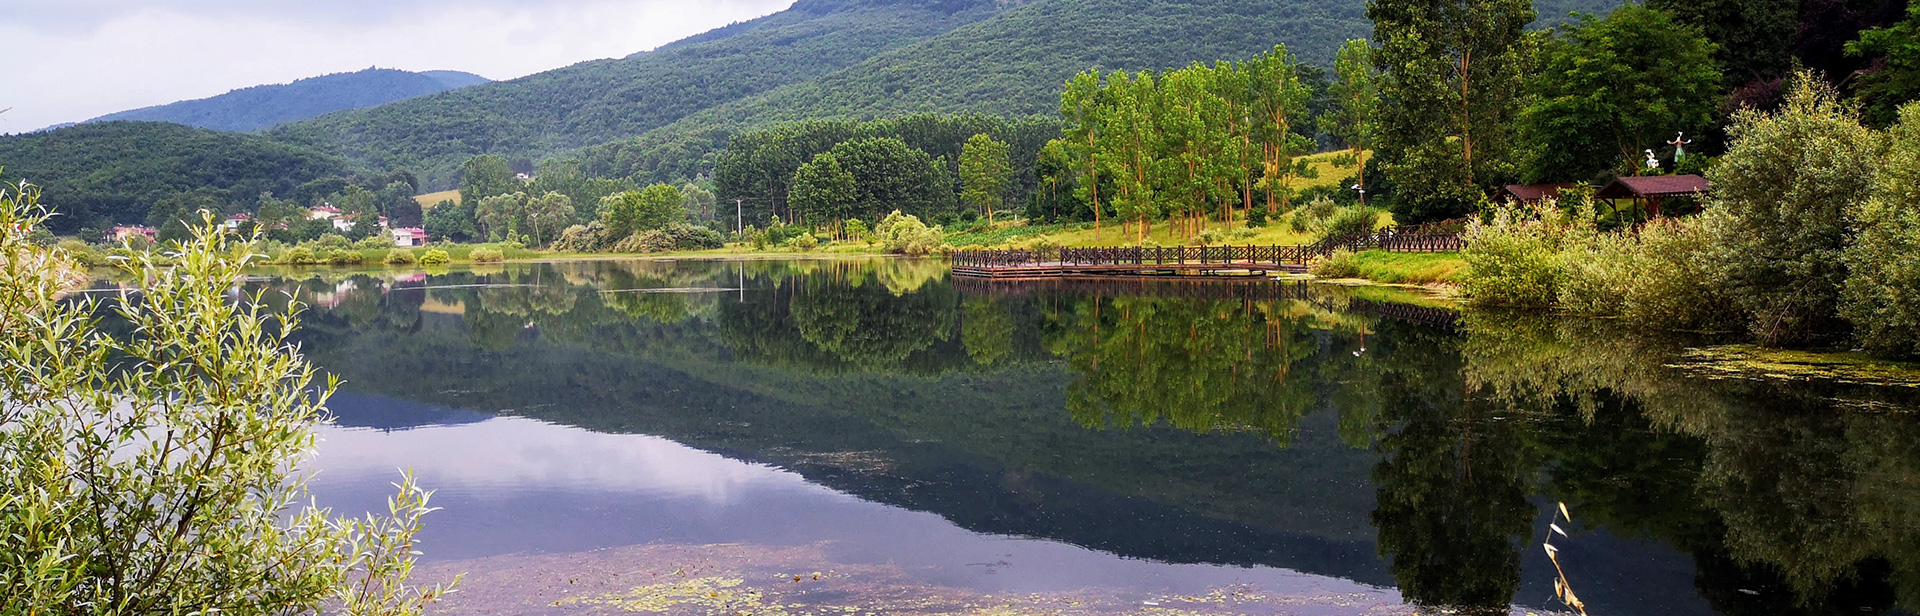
column 431, row 199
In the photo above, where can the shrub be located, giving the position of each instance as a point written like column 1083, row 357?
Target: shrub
column 332, row 240
column 903, row 234
column 82, row 252
column 399, row 256
column 98, row 515
column 803, row 242
column 299, row 255
column 342, row 256
column 435, row 257
column 373, row 243
column 1350, row 222
column 1882, row 293
column 486, row 255
column 1780, row 196
column 1514, row 260
column 581, row 238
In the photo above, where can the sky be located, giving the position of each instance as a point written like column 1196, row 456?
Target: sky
column 73, row 60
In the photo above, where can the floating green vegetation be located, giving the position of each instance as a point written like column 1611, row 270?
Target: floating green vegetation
column 1745, row 361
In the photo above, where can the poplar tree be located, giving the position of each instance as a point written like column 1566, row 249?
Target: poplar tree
column 984, row 173
column 1454, row 72
column 1279, row 101
column 1131, row 146
column 1356, row 104
column 1080, row 106
column 823, row 189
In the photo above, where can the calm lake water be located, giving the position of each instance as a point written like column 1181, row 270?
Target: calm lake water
column 693, row 436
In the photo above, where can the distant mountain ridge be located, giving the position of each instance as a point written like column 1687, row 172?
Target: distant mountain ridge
column 261, row 107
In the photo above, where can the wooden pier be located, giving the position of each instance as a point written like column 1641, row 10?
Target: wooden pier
column 1136, row 261
column 1132, row 261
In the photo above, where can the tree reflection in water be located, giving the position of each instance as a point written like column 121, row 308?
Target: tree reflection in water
column 1790, row 498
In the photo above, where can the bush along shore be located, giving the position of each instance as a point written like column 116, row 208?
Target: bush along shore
column 1808, row 240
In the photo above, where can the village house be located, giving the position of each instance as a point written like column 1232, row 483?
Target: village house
column 122, row 234
column 407, row 237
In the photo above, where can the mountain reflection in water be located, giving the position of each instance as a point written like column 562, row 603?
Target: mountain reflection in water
column 1133, row 435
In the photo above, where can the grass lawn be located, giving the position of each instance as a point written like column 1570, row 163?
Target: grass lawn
column 1398, row 267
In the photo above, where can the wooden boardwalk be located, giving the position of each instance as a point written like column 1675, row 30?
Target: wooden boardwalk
column 1168, row 261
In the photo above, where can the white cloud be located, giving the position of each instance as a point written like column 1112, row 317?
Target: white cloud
column 79, row 59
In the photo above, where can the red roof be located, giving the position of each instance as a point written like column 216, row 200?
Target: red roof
column 1656, row 186
column 1527, row 193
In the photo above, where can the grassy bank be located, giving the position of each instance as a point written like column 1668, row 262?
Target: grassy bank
column 1395, row 267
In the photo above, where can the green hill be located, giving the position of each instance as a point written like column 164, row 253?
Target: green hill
column 94, row 175
column 595, row 102
column 1015, row 63
column 262, row 107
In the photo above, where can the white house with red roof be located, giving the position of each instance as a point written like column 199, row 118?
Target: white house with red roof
column 407, row 237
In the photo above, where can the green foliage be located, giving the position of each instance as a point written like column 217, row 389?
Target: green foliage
column 1752, row 35
column 1355, row 117
column 985, row 174
column 98, row 515
column 261, row 107
column 487, row 176
column 1882, row 292
column 676, row 236
column 1514, row 260
column 1889, row 86
column 486, row 255
column 435, row 256
column 1353, row 221
column 1781, row 194
column 98, row 175
column 824, row 189
column 451, row 221
column 1456, row 74
column 581, row 238
column 651, row 208
column 1613, row 88
column 905, row 234
column 399, row 256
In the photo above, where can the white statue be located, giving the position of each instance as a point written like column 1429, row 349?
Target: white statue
column 1680, row 144
column 1653, row 163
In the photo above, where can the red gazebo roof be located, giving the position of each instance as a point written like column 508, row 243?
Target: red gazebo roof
column 1656, row 186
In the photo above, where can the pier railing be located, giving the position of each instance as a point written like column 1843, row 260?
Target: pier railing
column 1138, row 255
column 1393, row 239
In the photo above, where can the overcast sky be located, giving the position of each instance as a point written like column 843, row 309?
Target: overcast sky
column 72, row 60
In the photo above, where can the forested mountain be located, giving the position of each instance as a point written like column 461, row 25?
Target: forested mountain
column 94, row 175
column 1014, row 64
column 262, row 107
column 594, row 102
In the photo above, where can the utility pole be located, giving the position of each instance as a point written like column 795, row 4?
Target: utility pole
column 739, row 226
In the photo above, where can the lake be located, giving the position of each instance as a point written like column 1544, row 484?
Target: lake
column 794, row 437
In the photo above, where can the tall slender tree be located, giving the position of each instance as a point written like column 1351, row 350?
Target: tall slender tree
column 1454, row 71
column 1356, row 105
column 1279, row 99
column 1080, row 104
column 984, row 173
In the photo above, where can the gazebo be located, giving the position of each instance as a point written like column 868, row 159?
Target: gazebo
column 1653, row 190
column 1533, row 193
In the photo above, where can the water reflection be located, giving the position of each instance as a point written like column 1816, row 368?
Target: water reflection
column 1319, row 430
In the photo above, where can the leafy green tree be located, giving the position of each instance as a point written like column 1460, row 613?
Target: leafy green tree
column 698, row 201
column 1081, row 105
column 1752, row 35
column 1897, row 80
column 985, row 173
column 174, row 217
column 548, row 215
column 1781, row 194
column 650, row 208
column 1356, row 105
column 360, row 207
column 892, row 175
column 823, row 189
column 101, row 515
column 1455, row 72
column 398, row 204
column 487, row 176
column 1882, row 293
column 1279, row 102
column 449, row 220
column 1613, row 88
column 500, row 215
